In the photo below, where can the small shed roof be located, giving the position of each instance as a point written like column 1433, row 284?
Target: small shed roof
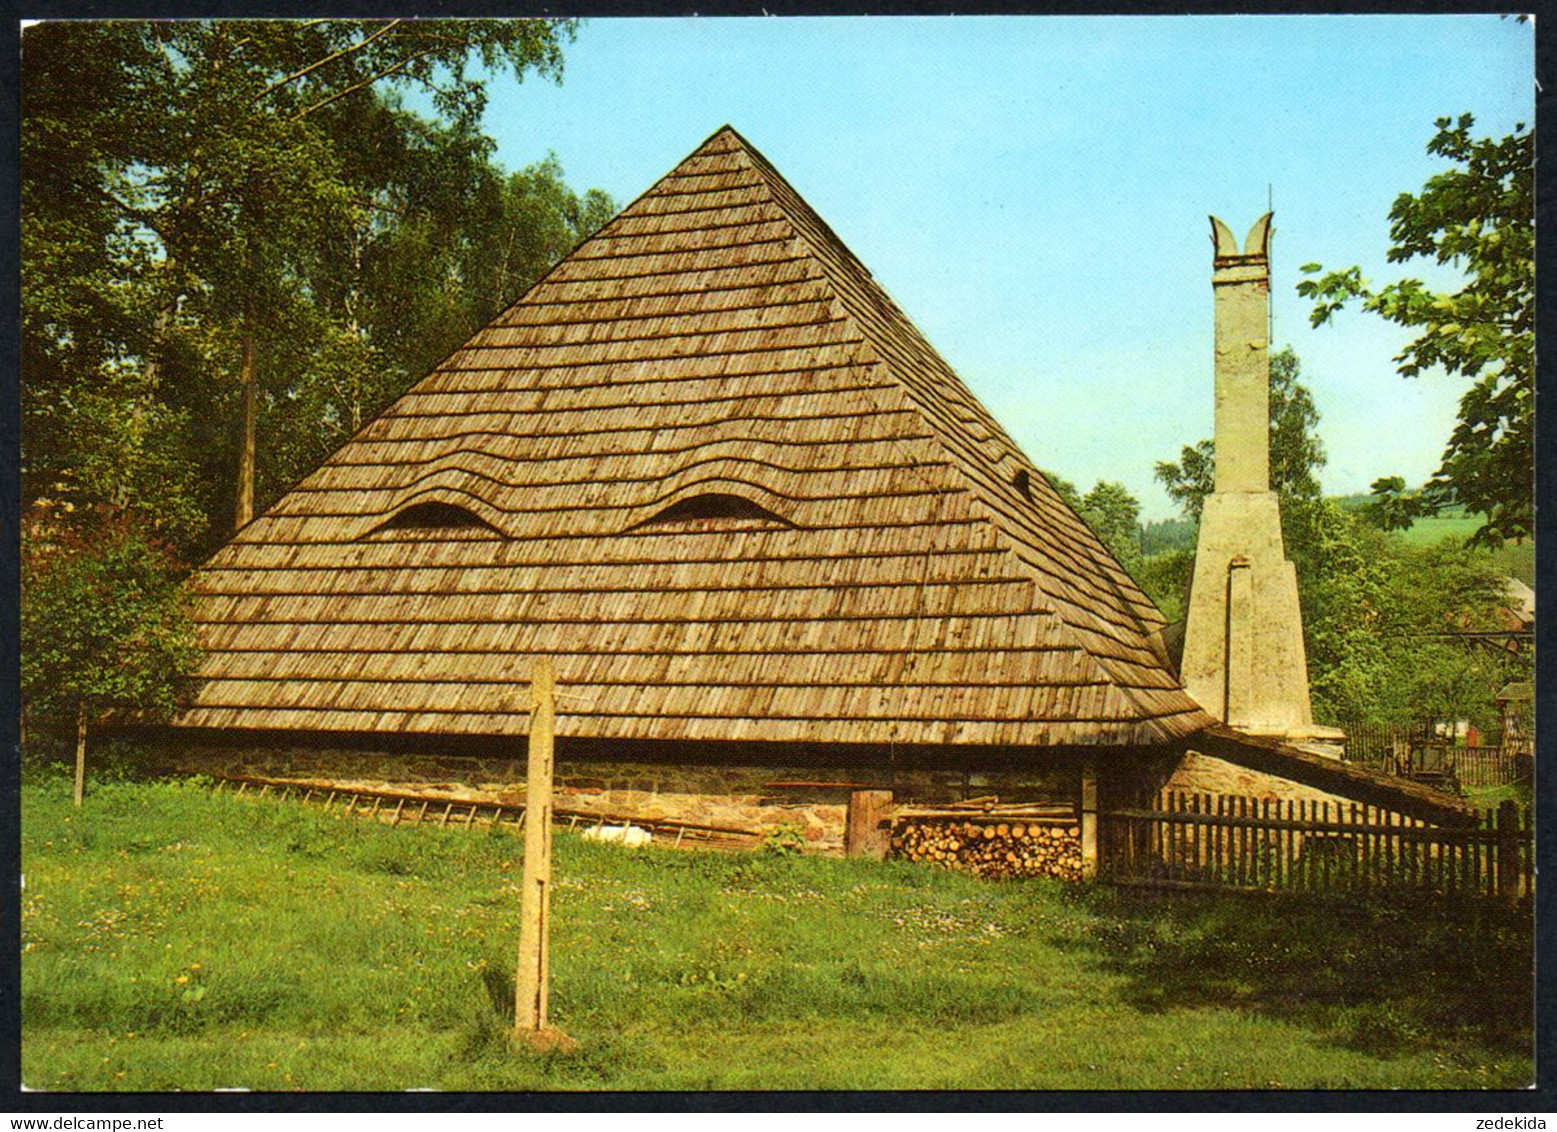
column 710, row 468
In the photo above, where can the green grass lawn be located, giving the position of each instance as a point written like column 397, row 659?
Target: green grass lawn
column 175, row 939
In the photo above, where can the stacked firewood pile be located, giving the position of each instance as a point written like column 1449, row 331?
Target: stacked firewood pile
column 990, row 840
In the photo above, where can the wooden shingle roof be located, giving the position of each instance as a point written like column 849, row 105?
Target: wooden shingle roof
column 857, row 552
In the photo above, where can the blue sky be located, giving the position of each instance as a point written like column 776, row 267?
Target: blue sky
column 1033, row 191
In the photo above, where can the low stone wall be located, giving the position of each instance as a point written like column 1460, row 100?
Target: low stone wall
column 808, row 796
column 809, row 799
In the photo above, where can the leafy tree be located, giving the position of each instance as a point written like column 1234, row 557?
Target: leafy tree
column 1191, row 479
column 205, row 224
column 1111, row 511
column 1065, row 489
column 1167, row 534
column 1296, row 452
column 1380, row 618
column 1115, row 515
column 236, row 230
column 409, row 293
column 1478, row 216
column 1342, row 590
column 1165, row 577
column 104, row 629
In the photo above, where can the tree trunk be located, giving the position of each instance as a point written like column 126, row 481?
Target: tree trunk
column 245, row 508
column 81, row 738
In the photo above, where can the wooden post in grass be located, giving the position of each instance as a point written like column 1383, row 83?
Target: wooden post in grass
column 1508, row 869
column 1088, row 820
column 531, row 984
column 863, row 835
column 81, row 745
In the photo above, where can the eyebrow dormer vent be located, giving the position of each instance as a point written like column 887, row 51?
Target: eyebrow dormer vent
column 715, row 511
column 434, row 517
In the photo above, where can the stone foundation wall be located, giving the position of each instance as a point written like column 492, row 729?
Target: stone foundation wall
column 1205, row 774
column 812, row 800
column 809, row 797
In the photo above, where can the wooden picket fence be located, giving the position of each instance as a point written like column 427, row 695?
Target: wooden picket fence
column 1382, row 746
column 1490, row 766
column 1222, row 842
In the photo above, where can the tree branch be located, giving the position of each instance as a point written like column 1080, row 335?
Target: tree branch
column 369, row 81
column 314, row 66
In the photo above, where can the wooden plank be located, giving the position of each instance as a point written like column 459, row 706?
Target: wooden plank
column 1527, row 827
column 1391, row 847
column 1089, row 820
column 1330, row 850
column 1211, row 867
column 1218, row 832
column 1359, row 854
column 1245, row 836
column 1267, row 854
column 1256, row 840
column 1049, row 816
column 864, row 835
column 1305, row 862
column 1181, row 831
column 531, row 990
column 1510, row 869
column 1283, row 861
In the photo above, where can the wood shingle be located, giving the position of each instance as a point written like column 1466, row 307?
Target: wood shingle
column 711, row 469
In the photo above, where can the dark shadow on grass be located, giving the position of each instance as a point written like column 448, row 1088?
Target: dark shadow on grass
column 1385, row 976
column 499, row 983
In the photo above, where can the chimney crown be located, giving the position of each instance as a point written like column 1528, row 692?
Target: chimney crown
column 1229, row 265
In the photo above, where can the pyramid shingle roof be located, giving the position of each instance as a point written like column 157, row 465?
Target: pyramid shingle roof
column 859, row 552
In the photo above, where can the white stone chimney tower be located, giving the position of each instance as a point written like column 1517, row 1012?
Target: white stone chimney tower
column 1243, row 640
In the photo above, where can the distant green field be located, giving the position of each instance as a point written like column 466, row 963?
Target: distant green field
column 178, row 940
column 1425, row 532
column 1517, row 560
